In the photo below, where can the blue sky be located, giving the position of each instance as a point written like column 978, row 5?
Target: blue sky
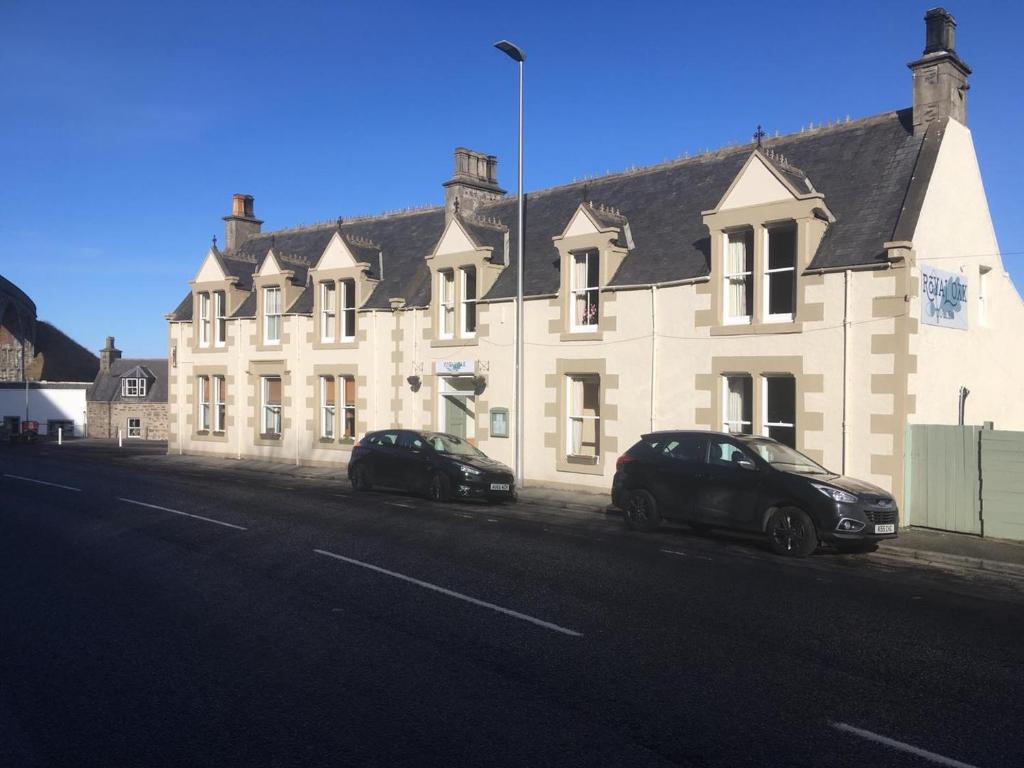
column 127, row 126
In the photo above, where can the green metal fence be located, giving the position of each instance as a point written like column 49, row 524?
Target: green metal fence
column 965, row 479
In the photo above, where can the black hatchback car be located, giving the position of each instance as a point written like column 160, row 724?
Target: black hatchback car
column 745, row 482
column 438, row 465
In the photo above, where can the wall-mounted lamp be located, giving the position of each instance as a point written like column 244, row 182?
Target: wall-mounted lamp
column 414, row 383
column 479, row 384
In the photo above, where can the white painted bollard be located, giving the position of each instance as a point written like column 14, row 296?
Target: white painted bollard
column 120, row 442
column 60, row 435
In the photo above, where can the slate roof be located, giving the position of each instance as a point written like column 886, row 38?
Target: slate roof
column 865, row 169
column 106, row 387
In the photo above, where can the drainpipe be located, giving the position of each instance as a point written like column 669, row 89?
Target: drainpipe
column 964, row 392
column 239, row 418
column 295, row 385
column 846, row 362
column 373, row 346
column 654, row 349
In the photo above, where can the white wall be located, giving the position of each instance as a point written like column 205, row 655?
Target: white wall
column 46, row 403
column 955, row 233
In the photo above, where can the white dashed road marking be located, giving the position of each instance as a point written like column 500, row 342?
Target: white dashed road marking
column 399, row 504
column 184, row 514
column 42, row 482
column 452, row 593
column 903, row 747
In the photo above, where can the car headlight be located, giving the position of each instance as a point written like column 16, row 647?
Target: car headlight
column 469, row 471
column 835, row 494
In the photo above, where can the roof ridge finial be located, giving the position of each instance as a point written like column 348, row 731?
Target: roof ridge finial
column 759, row 134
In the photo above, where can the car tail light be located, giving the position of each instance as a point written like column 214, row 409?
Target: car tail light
column 624, row 459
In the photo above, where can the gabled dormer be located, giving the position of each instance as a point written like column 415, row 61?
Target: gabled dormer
column 136, row 382
column 215, row 295
column 343, row 278
column 591, row 249
column 464, row 264
column 275, row 289
column 764, row 232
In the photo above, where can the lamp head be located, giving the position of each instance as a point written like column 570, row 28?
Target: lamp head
column 511, row 49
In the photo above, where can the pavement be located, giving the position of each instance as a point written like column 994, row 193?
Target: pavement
column 160, row 612
column 940, row 548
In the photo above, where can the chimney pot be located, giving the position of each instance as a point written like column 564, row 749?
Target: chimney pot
column 241, row 224
column 474, row 181
column 939, row 31
column 940, row 75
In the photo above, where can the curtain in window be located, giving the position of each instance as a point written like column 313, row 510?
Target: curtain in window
column 739, row 283
column 327, row 421
column 350, row 406
column 576, row 416
column 579, row 283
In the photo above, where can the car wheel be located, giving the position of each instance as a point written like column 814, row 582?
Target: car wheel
column 361, row 478
column 440, row 488
column 641, row 511
column 791, row 533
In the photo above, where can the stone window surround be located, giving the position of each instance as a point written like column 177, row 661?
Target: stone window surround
column 364, row 286
column 486, row 273
column 339, row 372
column 289, row 293
column 233, row 297
column 758, row 367
column 210, row 435
column 257, row 371
column 811, row 218
column 610, row 256
column 558, row 407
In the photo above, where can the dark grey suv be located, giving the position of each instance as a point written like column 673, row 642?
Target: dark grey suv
column 715, row 480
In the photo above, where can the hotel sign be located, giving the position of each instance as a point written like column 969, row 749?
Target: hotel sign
column 943, row 298
column 455, row 367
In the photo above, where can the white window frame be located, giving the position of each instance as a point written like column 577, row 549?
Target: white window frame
column 134, row 433
column 570, row 419
column 347, row 308
column 727, row 423
column 346, row 406
column 328, row 412
column 270, row 415
column 204, row 319
column 268, row 316
column 765, row 424
column 218, row 384
column 129, row 387
column 220, row 322
column 445, row 303
column 727, row 277
column 328, row 309
column 575, row 291
column 203, row 385
column 782, row 317
column 467, row 304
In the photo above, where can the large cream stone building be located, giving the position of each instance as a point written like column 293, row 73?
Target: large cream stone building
column 826, row 287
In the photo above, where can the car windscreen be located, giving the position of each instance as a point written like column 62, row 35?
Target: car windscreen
column 785, row 458
column 452, row 445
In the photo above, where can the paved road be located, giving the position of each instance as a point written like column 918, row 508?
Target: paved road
column 153, row 616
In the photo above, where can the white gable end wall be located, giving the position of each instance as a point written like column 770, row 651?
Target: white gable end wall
column 210, row 272
column 454, row 240
column 757, row 185
column 955, row 233
column 581, row 224
column 336, row 255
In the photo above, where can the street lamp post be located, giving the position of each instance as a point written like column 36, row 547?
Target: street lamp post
column 516, row 54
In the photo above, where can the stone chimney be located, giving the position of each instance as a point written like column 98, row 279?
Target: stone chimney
column 241, row 224
column 108, row 355
column 940, row 75
column 474, row 181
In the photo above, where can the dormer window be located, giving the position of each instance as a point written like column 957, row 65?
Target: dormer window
column 272, row 315
column 328, row 311
column 585, row 287
column 220, row 327
column 204, row 319
column 348, row 309
column 468, row 278
column 133, row 387
column 446, row 303
column 739, row 276
column 780, row 273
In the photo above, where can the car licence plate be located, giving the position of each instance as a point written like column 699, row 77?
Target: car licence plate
column 499, row 486
column 890, row 528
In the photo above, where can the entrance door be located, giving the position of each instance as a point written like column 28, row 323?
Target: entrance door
column 457, row 407
column 456, row 415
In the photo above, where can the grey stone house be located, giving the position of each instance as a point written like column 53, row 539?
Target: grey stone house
column 129, row 395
